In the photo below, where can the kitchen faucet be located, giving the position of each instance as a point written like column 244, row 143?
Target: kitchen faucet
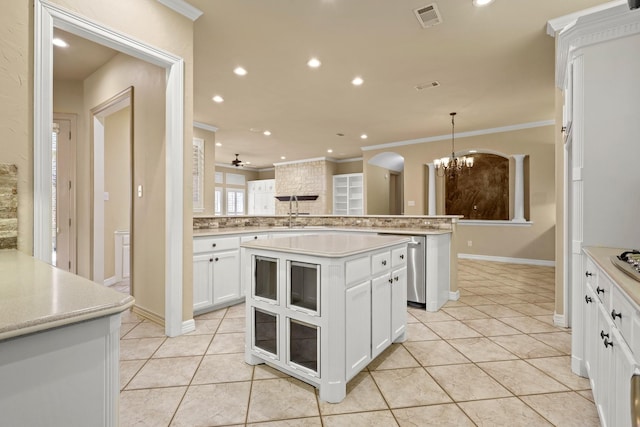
column 291, row 199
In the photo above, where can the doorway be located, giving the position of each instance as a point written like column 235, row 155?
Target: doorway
column 112, row 169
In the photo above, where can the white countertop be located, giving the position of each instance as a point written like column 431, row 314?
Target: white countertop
column 35, row 296
column 602, row 257
column 326, row 245
column 311, row 228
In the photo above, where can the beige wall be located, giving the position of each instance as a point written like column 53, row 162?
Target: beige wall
column 117, row 182
column 16, row 146
column 536, row 241
column 209, row 168
column 348, row 167
column 377, row 190
column 267, row 174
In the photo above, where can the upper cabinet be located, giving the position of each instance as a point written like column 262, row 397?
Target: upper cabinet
column 261, row 197
column 348, row 194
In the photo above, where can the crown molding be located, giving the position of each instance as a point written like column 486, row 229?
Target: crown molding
column 354, row 159
column 205, row 126
column 462, row 135
column 315, row 159
column 612, row 23
column 558, row 24
column 183, row 8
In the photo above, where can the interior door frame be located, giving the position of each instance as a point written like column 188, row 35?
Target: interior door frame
column 46, row 17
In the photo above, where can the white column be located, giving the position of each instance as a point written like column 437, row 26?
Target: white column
column 432, row 189
column 518, row 208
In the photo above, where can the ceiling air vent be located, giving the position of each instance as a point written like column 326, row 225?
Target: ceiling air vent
column 429, row 85
column 428, row 15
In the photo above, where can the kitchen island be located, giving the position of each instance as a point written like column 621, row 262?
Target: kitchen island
column 321, row 307
column 59, row 346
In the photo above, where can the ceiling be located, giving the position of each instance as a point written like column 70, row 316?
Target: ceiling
column 80, row 59
column 495, row 67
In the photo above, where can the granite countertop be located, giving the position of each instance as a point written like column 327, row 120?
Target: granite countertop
column 326, row 245
column 311, row 228
column 35, row 296
column 602, row 257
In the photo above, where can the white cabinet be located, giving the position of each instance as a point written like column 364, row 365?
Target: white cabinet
column 216, row 272
column 261, row 197
column 359, row 305
column 348, row 194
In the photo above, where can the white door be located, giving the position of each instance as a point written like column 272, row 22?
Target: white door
column 63, row 193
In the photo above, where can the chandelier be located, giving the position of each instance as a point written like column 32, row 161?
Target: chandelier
column 453, row 165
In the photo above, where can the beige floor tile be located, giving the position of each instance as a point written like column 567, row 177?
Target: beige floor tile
column 475, row 300
column 411, row 319
column 521, row 378
column 128, row 368
column 548, row 319
column 218, row 314
column 504, row 299
column 129, row 316
column 206, row 326
column 587, row 394
column 151, row 407
column 266, row 372
column 481, row 350
column 559, row 368
column 146, row 329
column 362, row 395
column 394, row 357
column 431, row 353
column 184, row 345
column 509, row 411
column 222, row 368
column 528, row 325
column 467, row 382
column 281, row 398
column 139, row 348
column 535, row 298
column 491, row 327
column 296, row 422
column 365, row 419
column 454, row 303
column 464, row 313
column 428, row 317
column 213, row 405
column 452, row 329
column 227, row 343
column 525, row 347
column 232, row 324
column 447, row 415
column 565, row 409
column 409, row 387
column 419, row 332
column 529, row 309
column 168, row 372
column 498, row 310
column 126, row 327
column 236, row 311
column 561, row 341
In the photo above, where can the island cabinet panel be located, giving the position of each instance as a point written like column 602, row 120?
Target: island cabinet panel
column 325, row 316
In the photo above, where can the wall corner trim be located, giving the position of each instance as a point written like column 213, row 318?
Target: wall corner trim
column 183, row 8
column 560, row 320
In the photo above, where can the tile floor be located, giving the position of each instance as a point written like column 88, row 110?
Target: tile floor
column 493, row 358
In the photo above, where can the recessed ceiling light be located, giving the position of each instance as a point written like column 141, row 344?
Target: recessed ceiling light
column 329, row 150
column 357, row 81
column 266, row 133
column 247, row 163
column 59, row 42
column 240, row 71
column 363, row 136
column 218, row 144
column 218, row 99
column 479, row 3
column 314, row 63
column 282, row 157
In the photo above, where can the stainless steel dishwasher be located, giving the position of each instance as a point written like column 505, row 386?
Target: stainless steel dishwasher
column 416, row 261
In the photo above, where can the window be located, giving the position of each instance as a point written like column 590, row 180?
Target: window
column 198, row 174
column 217, row 208
column 235, row 202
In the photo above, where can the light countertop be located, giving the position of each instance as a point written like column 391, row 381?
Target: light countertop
column 326, row 245
column 35, row 296
column 312, row 228
column 602, row 257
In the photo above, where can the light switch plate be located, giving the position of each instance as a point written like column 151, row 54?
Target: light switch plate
column 140, row 190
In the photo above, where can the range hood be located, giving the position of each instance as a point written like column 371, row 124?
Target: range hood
column 300, row 198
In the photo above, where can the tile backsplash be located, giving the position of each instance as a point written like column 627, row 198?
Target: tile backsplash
column 8, row 206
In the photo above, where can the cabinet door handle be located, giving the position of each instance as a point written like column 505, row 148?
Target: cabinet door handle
column 603, row 335
column 614, row 314
column 255, row 237
column 216, row 259
column 395, row 278
column 608, row 344
column 599, row 290
column 390, row 280
column 588, row 274
column 384, row 262
column 588, row 299
column 401, row 256
column 210, row 259
column 214, row 245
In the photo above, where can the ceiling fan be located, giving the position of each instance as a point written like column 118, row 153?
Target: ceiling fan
column 238, row 163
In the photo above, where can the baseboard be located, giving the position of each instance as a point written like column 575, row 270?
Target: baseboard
column 528, row 261
column 188, row 326
column 110, row 281
column 146, row 314
column 560, row 320
column 454, row 296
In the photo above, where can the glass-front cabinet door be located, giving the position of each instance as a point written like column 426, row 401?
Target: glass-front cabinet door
column 304, row 287
column 266, row 279
column 304, row 346
column 265, row 327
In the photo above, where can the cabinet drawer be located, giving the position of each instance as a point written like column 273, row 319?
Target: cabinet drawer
column 208, row 244
column 399, row 256
column 622, row 313
column 357, row 269
column 380, row 262
column 250, row 237
column 603, row 290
